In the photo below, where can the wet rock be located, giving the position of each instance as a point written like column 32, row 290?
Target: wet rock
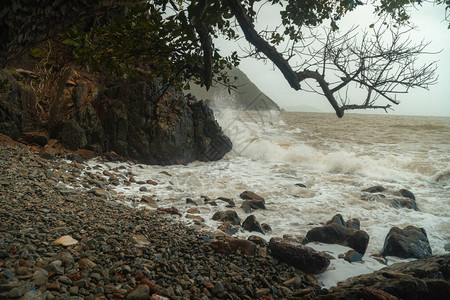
column 409, row 242
column 404, row 203
column 338, row 219
column 251, row 224
column 407, row 194
column 426, row 278
column 247, row 195
column 229, row 228
column 227, row 216
column 354, row 224
column 190, row 201
column 336, row 233
column 375, row 189
column 266, row 227
column 300, row 185
column 301, row 257
column 227, row 200
column 249, row 205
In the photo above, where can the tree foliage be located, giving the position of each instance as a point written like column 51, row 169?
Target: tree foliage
column 173, row 40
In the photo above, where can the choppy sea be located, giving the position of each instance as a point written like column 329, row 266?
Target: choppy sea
column 334, row 158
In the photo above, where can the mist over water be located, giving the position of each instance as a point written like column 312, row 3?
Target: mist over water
column 334, row 158
column 337, row 158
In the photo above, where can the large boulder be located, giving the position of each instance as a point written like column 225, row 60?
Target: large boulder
column 409, row 242
column 251, row 224
column 427, row 278
column 227, row 216
column 299, row 256
column 249, row 205
column 337, row 232
column 248, row 195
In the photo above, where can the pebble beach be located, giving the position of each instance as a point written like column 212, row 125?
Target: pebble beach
column 58, row 242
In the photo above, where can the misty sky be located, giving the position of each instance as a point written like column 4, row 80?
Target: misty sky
column 431, row 27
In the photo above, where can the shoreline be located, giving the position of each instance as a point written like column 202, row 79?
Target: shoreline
column 119, row 249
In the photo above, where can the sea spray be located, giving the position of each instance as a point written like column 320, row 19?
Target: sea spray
column 334, row 158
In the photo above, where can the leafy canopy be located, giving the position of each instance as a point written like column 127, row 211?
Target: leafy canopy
column 173, row 39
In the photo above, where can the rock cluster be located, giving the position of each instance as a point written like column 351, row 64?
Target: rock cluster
column 337, row 231
column 397, row 199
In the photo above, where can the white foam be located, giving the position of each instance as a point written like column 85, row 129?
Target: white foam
column 272, row 153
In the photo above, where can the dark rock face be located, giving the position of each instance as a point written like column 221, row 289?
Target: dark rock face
column 301, row 257
column 131, row 118
column 409, row 242
column 17, row 107
column 229, row 216
column 251, row 224
column 336, row 232
column 427, row 278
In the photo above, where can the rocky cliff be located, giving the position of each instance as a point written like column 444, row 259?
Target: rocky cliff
column 245, row 95
column 134, row 118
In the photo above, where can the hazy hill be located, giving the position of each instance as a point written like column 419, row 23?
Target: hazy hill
column 246, row 95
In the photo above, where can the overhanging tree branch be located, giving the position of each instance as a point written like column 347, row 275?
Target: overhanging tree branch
column 382, row 66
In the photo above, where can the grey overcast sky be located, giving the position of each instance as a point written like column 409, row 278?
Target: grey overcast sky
column 431, row 27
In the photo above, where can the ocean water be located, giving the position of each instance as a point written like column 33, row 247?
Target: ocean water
column 334, row 158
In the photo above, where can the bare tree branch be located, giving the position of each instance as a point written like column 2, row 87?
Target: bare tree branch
column 383, row 63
